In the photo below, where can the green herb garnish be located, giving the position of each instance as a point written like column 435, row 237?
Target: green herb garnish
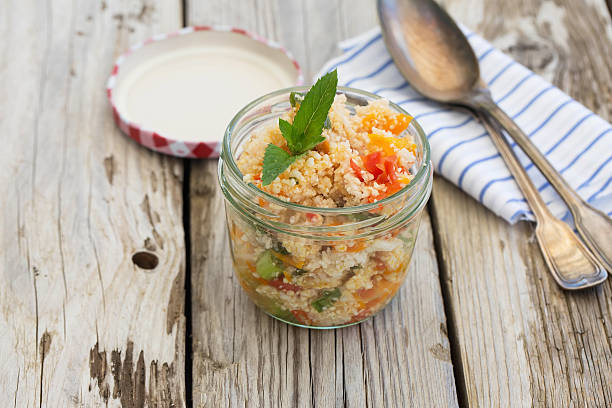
column 278, row 247
column 327, row 298
column 299, row 272
column 305, row 132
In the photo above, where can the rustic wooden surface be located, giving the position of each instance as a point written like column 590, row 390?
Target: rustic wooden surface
column 521, row 341
column 80, row 324
column 244, row 358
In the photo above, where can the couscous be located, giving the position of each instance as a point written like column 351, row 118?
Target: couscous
column 366, row 155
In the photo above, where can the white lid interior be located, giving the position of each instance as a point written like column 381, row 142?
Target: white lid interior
column 188, row 87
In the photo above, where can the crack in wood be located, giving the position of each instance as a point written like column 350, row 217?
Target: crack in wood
column 93, row 243
column 145, row 205
column 109, row 167
column 97, row 371
column 17, row 387
column 130, row 378
column 176, row 302
column 116, row 372
column 43, row 349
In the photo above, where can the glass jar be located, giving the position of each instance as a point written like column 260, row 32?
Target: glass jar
column 337, row 271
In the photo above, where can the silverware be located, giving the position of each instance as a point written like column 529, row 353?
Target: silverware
column 435, row 57
column 570, row 262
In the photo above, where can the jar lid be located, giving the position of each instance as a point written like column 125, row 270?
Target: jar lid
column 176, row 93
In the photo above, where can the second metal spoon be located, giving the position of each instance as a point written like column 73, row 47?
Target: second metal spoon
column 570, row 262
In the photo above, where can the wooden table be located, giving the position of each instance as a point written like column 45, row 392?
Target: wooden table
column 479, row 321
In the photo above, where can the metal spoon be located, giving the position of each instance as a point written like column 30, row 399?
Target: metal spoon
column 435, row 57
column 571, row 263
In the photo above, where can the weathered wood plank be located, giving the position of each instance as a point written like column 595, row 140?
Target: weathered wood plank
column 81, row 324
column 241, row 356
column 523, row 341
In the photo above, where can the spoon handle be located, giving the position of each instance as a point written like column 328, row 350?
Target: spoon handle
column 594, row 227
column 569, row 261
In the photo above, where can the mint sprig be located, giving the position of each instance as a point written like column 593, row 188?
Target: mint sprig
column 305, row 132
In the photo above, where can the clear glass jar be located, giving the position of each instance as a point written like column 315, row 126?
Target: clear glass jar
column 338, row 272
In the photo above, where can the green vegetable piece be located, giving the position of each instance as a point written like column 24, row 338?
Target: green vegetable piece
column 267, row 266
column 278, row 311
column 299, row 272
column 278, row 247
column 327, row 298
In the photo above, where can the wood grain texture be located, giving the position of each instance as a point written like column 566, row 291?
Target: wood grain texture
column 521, row 340
column 80, row 324
column 241, row 356
column 244, row 358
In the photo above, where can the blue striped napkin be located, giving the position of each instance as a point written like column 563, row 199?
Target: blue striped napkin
column 577, row 142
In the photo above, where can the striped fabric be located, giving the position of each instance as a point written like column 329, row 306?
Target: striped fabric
column 577, row 142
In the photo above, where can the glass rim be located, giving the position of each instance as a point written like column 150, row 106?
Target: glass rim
column 228, row 158
column 321, row 233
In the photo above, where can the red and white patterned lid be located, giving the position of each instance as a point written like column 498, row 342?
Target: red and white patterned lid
column 176, row 93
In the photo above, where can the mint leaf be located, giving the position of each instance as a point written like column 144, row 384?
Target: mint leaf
column 310, row 118
column 285, row 128
column 305, row 131
column 296, row 98
column 276, row 160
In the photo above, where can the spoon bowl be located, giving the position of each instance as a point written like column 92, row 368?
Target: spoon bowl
column 429, row 49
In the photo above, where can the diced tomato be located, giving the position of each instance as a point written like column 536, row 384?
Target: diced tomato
column 385, row 172
column 356, row 169
column 371, row 161
column 280, row 284
column 311, row 216
column 384, row 169
column 301, row 317
column 393, row 188
column 390, row 168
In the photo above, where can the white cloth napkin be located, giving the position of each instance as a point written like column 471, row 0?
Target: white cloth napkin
column 577, row 142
